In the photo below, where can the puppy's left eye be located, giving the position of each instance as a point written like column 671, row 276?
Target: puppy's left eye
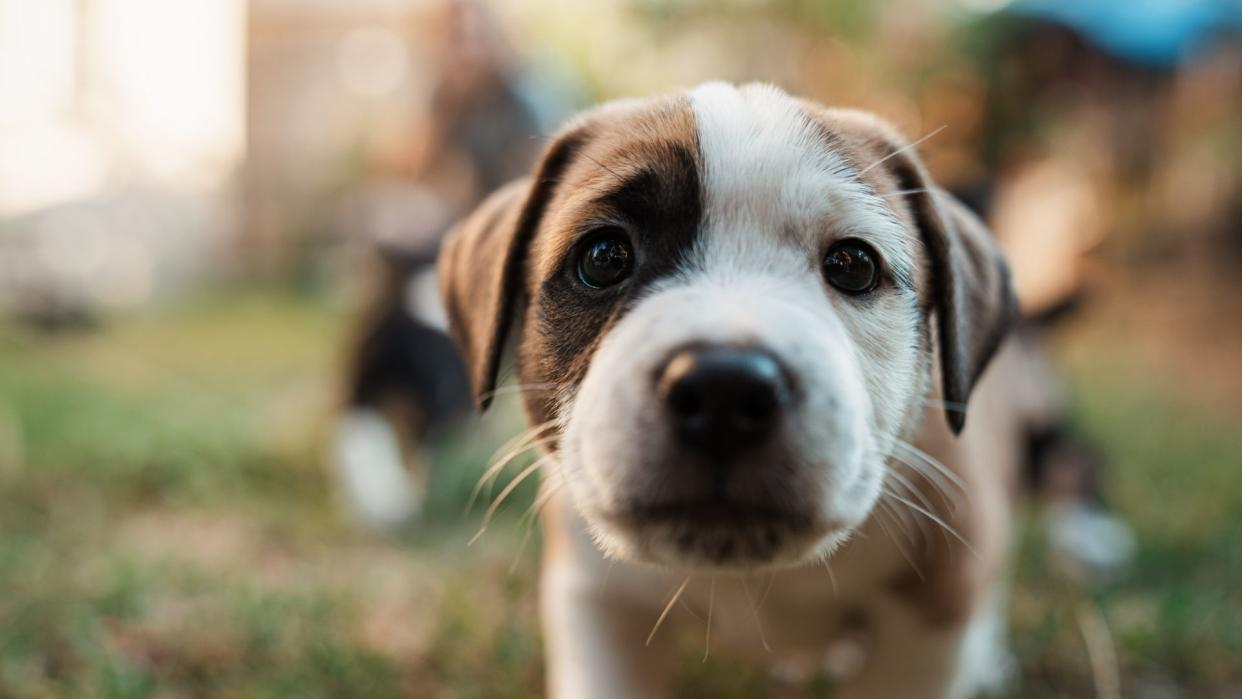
column 852, row 266
column 607, row 258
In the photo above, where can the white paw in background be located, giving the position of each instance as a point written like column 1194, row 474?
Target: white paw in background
column 1088, row 540
column 379, row 489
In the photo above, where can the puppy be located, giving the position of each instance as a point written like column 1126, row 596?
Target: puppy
column 404, row 382
column 731, row 311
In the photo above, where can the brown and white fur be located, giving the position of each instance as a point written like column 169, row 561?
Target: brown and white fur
column 867, row 513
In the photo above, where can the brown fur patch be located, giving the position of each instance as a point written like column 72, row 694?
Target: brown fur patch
column 640, row 174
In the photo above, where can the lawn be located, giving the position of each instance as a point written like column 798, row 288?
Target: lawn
column 168, row 527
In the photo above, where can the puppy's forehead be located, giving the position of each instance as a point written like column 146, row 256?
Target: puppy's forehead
column 763, row 157
column 771, row 167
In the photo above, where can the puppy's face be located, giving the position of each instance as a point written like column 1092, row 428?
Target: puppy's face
column 728, row 292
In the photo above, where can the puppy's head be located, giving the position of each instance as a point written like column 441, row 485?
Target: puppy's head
column 727, row 303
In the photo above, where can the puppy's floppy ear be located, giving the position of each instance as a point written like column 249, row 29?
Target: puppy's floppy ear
column 972, row 297
column 482, row 265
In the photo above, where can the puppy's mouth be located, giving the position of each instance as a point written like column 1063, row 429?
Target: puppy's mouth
column 708, row 512
column 718, row 533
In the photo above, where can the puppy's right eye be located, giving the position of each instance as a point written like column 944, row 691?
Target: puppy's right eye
column 852, row 267
column 606, row 259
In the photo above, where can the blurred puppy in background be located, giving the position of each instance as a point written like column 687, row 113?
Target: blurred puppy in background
column 403, row 380
column 732, row 310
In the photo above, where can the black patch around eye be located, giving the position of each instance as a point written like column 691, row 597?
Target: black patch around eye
column 658, row 208
column 852, row 267
column 606, row 258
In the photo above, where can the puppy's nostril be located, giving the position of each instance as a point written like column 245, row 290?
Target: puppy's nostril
column 683, row 399
column 757, row 404
column 721, row 398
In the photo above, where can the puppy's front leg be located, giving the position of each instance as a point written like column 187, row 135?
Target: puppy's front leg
column 596, row 643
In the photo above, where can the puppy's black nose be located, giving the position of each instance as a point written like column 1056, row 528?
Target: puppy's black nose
column 722, row 399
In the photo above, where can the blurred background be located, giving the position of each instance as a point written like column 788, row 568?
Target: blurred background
column 215, row 223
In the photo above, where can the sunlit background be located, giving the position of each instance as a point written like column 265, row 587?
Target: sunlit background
column 200, row 199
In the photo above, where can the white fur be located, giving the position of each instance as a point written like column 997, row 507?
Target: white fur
column 368, row 456
column 769, row 176
column 422, row 299
column 1089, row 539
column 768, row 171
column 985, row 665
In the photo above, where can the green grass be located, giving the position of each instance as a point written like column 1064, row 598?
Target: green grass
column 168, row 527
column 1176, row 615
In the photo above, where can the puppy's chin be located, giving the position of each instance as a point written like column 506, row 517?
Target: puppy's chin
column 720, row 534
column 701, row 536
column 715, row 536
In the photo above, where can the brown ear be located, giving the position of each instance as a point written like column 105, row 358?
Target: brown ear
column 482, row 261
column 973, row 299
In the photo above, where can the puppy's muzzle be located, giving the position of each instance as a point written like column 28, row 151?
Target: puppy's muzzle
column 722, row 401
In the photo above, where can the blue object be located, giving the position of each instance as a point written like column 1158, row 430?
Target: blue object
column 1152, row 33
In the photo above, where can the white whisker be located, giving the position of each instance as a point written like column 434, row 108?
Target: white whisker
column 903, row 192
column 686, row 606
column 937, row 520
column 528, row 517
column 541, row 501
column 711, row 602
column 902, row 521
column 901, row 549
column 903, row 149
column 908, row 486
column 517, row 559
column 767, row 589
column 523, row 442
column 944, row 404
column 504, row 494
column 905, row 484
column 755, row 611
column 836, row 593
column 511, row 448
column 950, row 494
column 521, row 388
column 933, row 463
column 603, row 583
column 667, row 608
column 512, row 485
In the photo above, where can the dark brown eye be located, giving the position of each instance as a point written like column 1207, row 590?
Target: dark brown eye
column 852, row 267
column 606, row 259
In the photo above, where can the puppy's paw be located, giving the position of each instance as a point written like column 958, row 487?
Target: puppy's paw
column 1087, row 541
column 378, row 488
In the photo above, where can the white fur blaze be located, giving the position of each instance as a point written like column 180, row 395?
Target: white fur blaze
column 767, row 171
